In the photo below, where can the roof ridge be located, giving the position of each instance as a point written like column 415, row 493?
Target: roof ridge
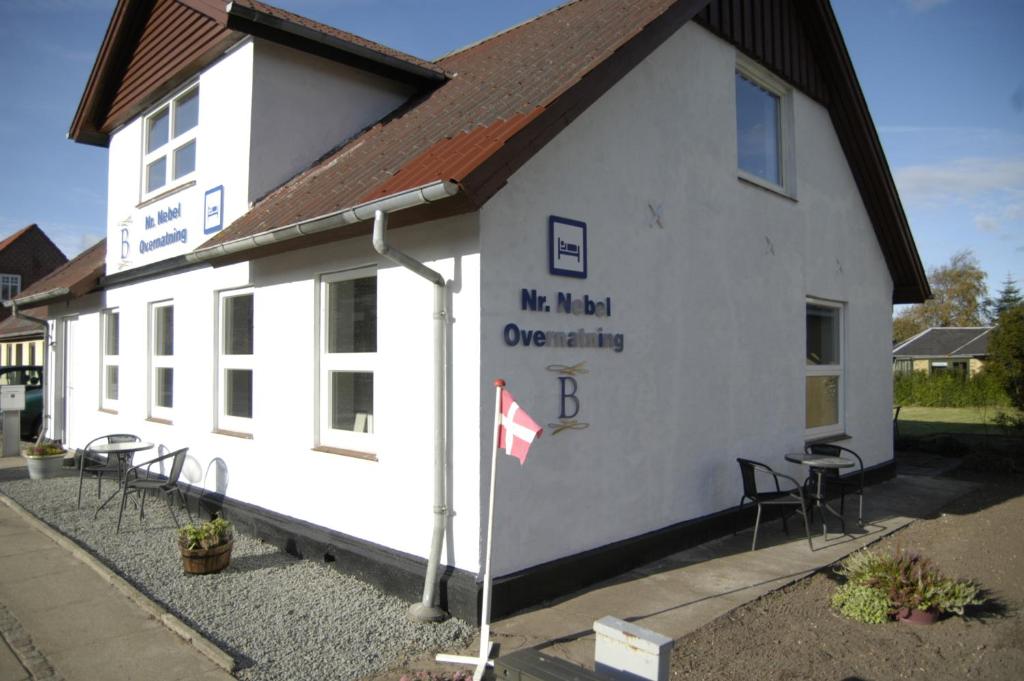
column 986, row 330
column 521, row 24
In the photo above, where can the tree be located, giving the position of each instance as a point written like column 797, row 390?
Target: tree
column 1006, row 354
column 1009, row 297
column 958, row 298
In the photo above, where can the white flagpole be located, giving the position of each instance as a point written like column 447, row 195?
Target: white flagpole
column 484, row 660
column 485, row 610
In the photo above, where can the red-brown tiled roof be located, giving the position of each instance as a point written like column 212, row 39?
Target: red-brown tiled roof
column 345, row 36
column 16, row 327
column 504, row 90
column 77, row 276
column 17, row 235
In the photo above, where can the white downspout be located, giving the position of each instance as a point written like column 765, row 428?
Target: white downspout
column 426, row 611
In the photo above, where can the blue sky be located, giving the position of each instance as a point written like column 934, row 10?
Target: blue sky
column 943, row 78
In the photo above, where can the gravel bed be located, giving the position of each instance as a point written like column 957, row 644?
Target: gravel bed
column 281, row 618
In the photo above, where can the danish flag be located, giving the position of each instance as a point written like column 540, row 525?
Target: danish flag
column 517, row 430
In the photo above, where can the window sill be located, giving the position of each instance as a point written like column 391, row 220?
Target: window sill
column 165, row 193
column 366, row 456
column 166, row 422
column 104, row 410
column 756, row 181
column 233, row 433
column 828, row 439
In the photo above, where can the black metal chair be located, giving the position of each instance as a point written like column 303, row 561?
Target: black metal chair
column 794, row 497
column 843, row 485
column 139, row 480
column 98, row 465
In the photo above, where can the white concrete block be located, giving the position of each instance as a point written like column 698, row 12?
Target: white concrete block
column 626, row 651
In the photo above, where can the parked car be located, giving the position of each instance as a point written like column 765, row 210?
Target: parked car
column 32, row 378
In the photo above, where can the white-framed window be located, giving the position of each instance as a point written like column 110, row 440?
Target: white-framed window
column 110, row 360
column 347, row 360
column 161, row 359
column 10, row 286
column 235, row 360
column 169, row 142
column 825, row 384
column 764, row 128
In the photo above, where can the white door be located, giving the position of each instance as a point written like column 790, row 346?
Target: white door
column 65, row 353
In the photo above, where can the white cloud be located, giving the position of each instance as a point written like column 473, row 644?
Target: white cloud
column 963, row 179
column 986, row 223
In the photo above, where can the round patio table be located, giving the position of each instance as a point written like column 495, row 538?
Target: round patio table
column 123, row 451
column 818, row 466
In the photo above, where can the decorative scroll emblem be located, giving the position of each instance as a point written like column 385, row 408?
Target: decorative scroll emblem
column 569, row 401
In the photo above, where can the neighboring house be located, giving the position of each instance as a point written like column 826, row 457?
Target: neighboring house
column 669, row 226
column 953, row 349
column 21, row 342
column 25, row 257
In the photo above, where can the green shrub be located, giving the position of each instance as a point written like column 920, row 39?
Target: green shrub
column 861, row 603
column 205, row 535
column 902, row 580
column 919, row 389
column 1006, row 354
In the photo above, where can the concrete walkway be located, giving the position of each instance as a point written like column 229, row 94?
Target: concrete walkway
column 687, row 590
column 61, row 619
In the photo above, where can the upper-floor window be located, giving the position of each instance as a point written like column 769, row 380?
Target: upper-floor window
column 169, row 144
column 348, row 359
column 10, row 286
column 763, row 138
column 235, row 359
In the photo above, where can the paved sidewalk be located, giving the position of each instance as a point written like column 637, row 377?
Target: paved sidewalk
column 681, row 593
column 60, row 619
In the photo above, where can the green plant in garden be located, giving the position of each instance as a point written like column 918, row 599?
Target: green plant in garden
column 1006, row 354
column 48, row 448
column 861, row 603
column 902, row 581
column 205, row 535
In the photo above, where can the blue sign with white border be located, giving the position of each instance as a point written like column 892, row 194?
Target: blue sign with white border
column 213, row 210
column 567, row 247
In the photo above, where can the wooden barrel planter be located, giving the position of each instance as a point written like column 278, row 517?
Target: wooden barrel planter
column 201, row 561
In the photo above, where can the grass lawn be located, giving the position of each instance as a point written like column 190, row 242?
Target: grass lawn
column 920, row 421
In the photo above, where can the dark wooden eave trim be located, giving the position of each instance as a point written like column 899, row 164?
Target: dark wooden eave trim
column 126, row 25
column 859, row 140
column 275, row 29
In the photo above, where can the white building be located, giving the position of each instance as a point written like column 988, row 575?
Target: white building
column 678, row 247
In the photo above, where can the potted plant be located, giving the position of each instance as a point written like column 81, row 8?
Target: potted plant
column 44, row 459
column 902, row 585
column 206, row 547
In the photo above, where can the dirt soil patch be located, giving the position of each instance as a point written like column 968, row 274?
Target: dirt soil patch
column 794, row 634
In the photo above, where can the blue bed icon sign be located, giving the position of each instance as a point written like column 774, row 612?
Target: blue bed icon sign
column 567, row 247
column 213, row 210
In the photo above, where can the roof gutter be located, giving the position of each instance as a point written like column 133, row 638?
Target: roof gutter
column 35, row 299
column 410, row 198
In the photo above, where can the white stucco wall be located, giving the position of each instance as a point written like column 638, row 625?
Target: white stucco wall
column 222, row 141
column 304, row 106
column 388, row 501
column 266, row 113
column 711, row 304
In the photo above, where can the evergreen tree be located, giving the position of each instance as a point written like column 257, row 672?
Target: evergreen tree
column 1009, row 297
